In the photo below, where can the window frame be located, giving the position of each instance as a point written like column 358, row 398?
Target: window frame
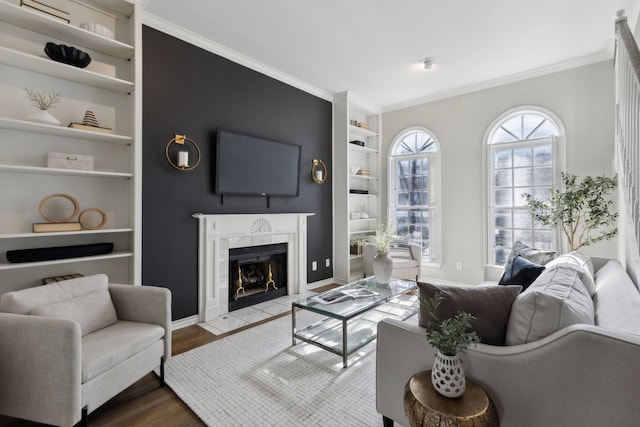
column 434, row 183
column 558, row 164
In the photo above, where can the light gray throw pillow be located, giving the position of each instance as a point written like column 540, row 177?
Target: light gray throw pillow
column 556, row 299
column 616, row 299
column 91, row 311
column 580, row 263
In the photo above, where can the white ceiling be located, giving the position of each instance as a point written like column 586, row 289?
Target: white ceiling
column 373, row 47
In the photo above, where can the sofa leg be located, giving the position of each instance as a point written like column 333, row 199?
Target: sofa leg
column 387, row 422
column 162, row 371
column 84, row 416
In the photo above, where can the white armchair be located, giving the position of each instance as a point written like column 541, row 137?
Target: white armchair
column 68, row 347
column 406, row 260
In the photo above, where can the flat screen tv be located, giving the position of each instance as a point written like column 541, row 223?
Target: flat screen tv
column 252, row 166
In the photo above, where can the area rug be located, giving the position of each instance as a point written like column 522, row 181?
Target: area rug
column 257, row 378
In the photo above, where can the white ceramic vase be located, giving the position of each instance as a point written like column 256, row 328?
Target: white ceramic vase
column 447, row 375
column 43, row 116
column 382, row 267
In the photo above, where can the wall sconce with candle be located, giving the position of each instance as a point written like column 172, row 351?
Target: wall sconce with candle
column 180, row 159
column 318, row 171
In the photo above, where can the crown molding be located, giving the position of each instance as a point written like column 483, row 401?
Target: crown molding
column 605, row 55
column 230, row 54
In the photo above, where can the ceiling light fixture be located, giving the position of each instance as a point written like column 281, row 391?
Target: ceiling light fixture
column 428, row 63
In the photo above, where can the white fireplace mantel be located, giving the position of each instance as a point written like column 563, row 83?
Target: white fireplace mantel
column 219, row 233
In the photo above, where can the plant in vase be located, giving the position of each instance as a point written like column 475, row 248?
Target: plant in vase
column 450, row 337
column 43, row 101
column 357, row 242
column 382, row 263
column 581, row 210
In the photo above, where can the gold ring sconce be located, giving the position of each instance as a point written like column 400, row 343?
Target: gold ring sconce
column 182, row 157
column 318, row 171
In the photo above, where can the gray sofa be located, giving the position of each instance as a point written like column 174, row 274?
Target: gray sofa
column 68, row 347
column 579, row 375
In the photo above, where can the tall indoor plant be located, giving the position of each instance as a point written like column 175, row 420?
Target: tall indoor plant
column 449, row 336
column 582, row 210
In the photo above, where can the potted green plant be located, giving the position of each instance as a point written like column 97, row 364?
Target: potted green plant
column 43, row 101
column 581, row 209
column 449, row 336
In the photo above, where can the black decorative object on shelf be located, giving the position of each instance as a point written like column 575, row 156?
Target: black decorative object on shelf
column 356, row 142
column 60, row 252
column 67, row 55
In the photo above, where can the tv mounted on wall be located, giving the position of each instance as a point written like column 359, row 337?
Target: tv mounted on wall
column 253, row 166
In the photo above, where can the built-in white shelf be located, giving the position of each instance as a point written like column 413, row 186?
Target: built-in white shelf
column 18, row 265
column 65, row 233
column 375, row 178
column 63, row 131
column 52, row 68
column 361, row 131
column 361, row 231
column 361, row 149
column 363, row 219
column 16, row 15
column 119, row 154
column 55, row 171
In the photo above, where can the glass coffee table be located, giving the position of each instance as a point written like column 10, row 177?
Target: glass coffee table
column 348, row 325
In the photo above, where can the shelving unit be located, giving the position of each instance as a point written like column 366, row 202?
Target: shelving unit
column 357, row 183
column 110, row 87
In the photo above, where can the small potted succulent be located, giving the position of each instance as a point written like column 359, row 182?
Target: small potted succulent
column 450, row 337
column 43, row 101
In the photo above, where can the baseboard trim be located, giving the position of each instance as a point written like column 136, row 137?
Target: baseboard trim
column 320, row 283
column 184, row 322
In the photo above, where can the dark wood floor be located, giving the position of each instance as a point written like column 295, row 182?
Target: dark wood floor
column 146, row 403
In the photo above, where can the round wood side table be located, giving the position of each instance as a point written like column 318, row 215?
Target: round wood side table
column 425, row 407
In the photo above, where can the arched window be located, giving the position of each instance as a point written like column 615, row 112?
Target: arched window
column 523, row 157
column 413, row 189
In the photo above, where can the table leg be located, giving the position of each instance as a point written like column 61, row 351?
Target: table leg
column 293, row 326
column 345, row 353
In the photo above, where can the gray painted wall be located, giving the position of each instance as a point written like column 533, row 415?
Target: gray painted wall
column 583, row 99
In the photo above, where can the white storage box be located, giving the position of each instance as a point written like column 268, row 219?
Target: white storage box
column 69, row 161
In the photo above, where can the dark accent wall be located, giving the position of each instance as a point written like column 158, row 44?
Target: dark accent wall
column 188, row 90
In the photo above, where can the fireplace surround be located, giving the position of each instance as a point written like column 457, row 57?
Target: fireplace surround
column 220, row 233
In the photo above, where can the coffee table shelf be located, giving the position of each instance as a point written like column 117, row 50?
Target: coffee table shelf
column 351, row 324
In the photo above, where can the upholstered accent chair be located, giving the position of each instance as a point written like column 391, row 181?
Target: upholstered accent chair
column 406, row 260
column 68, row 347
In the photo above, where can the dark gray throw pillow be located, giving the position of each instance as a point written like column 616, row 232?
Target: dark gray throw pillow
column 490, row 305
column 521, row 272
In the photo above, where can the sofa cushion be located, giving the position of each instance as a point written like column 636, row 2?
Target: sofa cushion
column 521, row 272
column 91, row 311
column 490, row 305
column 580, row 263
column 24, row 301
column 538, row 256
column 554, row 301
column 616, row 299
column 107, row 347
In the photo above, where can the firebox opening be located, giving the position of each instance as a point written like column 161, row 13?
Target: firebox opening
column 257, row 274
